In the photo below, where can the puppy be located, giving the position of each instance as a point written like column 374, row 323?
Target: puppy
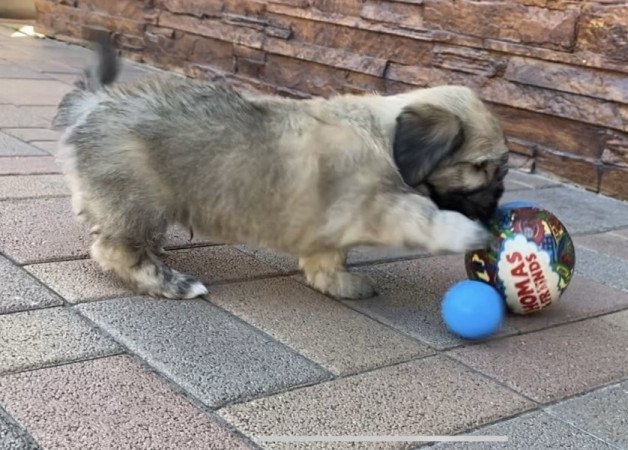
column 309, row 177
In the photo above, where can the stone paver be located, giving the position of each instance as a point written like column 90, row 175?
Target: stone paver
column 178, row 237
column 109, row 403
column 321, row 329
column 364, row 255
column 41, row 229
column 218, row 263
column 621, row 233
column 33, row 92
column 50, row 147
column 33, row 134
column 557, row 362
column 82, row 280
column 19, row 291
column 603, row 413
column 533, row 431
column 611, row 244
column 212, row 355
column 67, row 78
column 431, row 396
column 45, row 55
column 10, row 146
column 278, row 260
column 12, row 437
column 11, row 116
column 583, row 298
column 580, row 211
column 605, row 269
column 516, row 180
column 513, row 185
column 26, row 165
column 39, row 61
column 45, row 112
column 357, row 256
column 46, row 337
column 79, row 281
column 619, row 319
column 10, row 70
column 24, row 186
column 410, row 295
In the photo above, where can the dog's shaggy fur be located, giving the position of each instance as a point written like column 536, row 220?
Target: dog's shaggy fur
column 308, row 177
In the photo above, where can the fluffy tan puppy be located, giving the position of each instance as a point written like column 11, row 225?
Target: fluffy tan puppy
column 309, row 177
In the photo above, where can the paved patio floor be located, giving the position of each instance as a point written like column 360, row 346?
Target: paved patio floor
column 86, row 365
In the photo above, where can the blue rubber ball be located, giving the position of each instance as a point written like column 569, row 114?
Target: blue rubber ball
column 473, row 310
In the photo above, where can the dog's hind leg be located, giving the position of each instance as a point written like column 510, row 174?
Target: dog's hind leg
column 138, row 265
column 326, row 272
column 128, row 242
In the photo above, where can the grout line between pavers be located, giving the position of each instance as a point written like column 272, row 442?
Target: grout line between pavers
column 330, row 375
column 30, row 127
column 490, row 378
column 83, row 257
column 544, row 408
column 583, row 430
column 38, row 105
column 22, row 430
column 430, row 351
column 268, row 336
column 33, row 262
column 600, row 230
column 519, row 333
column 33, row 197
column 291, row 277
column 34, row 175
column 322, row 382
column 606, row 283
column 64, row 302
column 481, row 426
column 175, row 387
column 374, row 319
column 191, row 398
column 51, row 365
column 540, row 405
column 391, row 260
column 333, row 378
column 130, row 293
column 47, row 155
column 533, row 188
column 16, row 174
column 42, row 308
column 191, row 245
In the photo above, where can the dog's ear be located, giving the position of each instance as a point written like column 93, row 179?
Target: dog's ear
column 425, row 135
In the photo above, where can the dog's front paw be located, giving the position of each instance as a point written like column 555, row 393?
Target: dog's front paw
column 456, row 233
column 343, row 284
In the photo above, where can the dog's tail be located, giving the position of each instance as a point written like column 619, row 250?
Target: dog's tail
column 102, row 73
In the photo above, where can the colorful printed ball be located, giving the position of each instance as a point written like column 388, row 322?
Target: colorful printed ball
column 473, row 310
column 531, row 261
